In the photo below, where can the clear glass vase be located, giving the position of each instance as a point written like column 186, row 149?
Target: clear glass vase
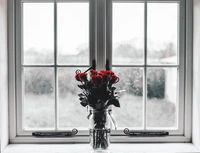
column 99, row 128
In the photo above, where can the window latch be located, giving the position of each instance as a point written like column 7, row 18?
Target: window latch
column 55, row 134
column 107, row 65
column 145, row 133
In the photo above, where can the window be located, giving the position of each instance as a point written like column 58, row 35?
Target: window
column 144, row 42
column 145, row 57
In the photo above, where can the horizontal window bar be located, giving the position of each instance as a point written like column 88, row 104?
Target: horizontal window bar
column 145, row 65
column 47, row 1
column 85, row 139
column 89, row 65
column 142, row 1
column 56, row 66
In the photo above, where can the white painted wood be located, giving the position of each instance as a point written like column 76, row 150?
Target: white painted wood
column 114, row 148
column 196, row 74
column 189, row 70
column 101, row 35
column 11, row 60
column 101, row 22
column 3, row 76
column 85, row 139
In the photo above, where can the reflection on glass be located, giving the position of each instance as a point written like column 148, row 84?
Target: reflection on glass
column 71, row 112
column 161, row 97
column 131, row 100
column 162, row 33
column 39, row 105
column 38, row 28
column 128, row 33
column 73, row 33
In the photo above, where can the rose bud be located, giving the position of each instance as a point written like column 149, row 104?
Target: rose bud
column 77, row 77
column 83, row 76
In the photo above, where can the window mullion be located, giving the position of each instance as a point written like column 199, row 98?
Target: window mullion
column 145, row 68
column 109, row 32
column 181, row 72
column 101, row 34
column 92, row 30
column 19, row 68
column 55, row 68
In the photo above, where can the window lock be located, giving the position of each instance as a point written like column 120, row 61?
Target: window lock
column 55, row 134
column 145, row 133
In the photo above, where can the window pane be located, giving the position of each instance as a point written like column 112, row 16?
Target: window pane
column 162, row 33
column 71, row 113
column 73, row 33
column 162, row 97
column 38, row 28
column 131, row 101
column 39, row 105
column 128, row 33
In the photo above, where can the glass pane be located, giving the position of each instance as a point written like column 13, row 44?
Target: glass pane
column 128, row 33
column 73, row 33
column 38, row 33
column 162, row 32
column 71, row 113
column 162, row 97
column 131, row 100
column 39, row 98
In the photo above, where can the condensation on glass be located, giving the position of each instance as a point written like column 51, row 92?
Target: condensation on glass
column 131, row 100
column 71, row 113
column 73, row 33
column 161, row 98
column 41, row 68
column 162, row 94
column 38, row 98
column 38, row 33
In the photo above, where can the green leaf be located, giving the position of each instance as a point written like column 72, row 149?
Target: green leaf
column 82, row 86
column 81, row 95
column 81, row 98
column 113, row 88
column 83, row 104
column 114, row 102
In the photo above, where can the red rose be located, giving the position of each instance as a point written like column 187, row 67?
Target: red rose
column 77, row 77
column 105, row 78
column 97, row 79
column 110, row 73
column 102, row 72
column 93, row 72
column 83, row 76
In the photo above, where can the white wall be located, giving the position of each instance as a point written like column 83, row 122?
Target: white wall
column 196, row 74
column 3, row 75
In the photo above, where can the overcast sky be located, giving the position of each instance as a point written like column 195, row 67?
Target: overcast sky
column 73, row 24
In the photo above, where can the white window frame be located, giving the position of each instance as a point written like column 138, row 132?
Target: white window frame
column 100, row 50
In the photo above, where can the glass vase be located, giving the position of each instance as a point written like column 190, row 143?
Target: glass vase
column 100, row 128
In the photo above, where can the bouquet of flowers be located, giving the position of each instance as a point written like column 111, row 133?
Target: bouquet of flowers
column 98, row 91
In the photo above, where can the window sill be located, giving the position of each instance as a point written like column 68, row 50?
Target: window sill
column 114, row 148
